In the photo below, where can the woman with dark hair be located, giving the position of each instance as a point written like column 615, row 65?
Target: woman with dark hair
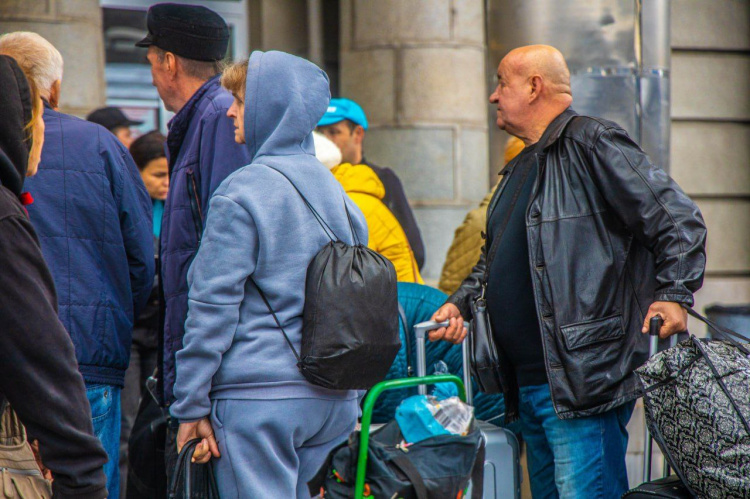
column 150, row 158
column 38, row 368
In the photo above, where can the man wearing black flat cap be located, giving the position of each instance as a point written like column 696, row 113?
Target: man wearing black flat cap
column 114, row 120
column 186, row 44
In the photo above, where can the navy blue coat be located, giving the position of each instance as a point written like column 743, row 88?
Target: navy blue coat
column 93, row 217
column 201, row 153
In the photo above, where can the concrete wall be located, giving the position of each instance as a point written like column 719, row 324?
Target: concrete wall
column 711, row 135
column 278, row 25
column 75, row 28
column 417, row 67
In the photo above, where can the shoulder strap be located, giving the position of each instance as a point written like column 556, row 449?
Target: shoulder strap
column 492, row 249
column 728, row 334
column 490, row 255
column 326, row 228
column 355, row 238
column 412, row 474
column 278, row 323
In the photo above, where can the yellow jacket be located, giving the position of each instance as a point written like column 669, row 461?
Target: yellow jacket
column 386, row 236
column 466, row 248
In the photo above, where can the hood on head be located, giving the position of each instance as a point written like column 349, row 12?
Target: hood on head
column 15, row 102
column 285, row 97
column 359, row 178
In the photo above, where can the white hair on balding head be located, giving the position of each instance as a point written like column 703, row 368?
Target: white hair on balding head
column 38, row 58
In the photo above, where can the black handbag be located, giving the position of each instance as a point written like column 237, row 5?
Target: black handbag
column 438, row 467
column 190, row 480
column 350, row 333
column 485, row 362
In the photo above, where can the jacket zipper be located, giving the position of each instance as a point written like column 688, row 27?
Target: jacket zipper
column 21, row 472
column 195, row 204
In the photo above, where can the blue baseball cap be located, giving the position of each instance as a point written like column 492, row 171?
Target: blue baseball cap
column 343, row 109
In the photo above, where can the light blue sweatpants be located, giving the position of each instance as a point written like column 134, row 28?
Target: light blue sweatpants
column 271, row 448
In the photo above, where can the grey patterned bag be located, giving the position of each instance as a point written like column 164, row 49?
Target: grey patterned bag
column 697, row 400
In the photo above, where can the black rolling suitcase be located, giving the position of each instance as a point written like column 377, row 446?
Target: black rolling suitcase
column 668, row 487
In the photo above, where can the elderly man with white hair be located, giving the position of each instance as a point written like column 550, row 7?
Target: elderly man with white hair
column 93, row 217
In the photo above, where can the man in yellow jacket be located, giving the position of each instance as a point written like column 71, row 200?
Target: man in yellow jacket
column 386, row 236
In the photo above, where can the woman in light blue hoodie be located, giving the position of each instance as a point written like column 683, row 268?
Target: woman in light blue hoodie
column 237, row 386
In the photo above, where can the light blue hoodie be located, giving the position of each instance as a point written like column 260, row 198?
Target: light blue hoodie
column 259, row 227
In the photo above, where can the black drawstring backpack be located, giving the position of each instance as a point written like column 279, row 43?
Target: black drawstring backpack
column 350, row 321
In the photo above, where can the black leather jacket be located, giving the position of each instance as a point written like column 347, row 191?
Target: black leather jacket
column 608, row 234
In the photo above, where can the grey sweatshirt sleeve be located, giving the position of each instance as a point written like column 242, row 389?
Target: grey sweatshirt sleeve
column 217, row 277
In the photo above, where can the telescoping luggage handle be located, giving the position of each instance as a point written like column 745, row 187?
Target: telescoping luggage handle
column 420, row 332
column 654, row 326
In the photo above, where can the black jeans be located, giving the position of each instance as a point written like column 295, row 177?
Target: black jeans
column 142, row 365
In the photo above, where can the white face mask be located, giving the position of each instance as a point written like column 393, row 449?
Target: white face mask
column 326, row 151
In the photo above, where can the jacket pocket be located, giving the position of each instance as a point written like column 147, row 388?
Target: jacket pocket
column 194, row 196
column 587, row 333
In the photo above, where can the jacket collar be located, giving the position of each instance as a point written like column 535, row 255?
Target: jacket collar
column 550, row 135
column 179, row 124
column 556, row 127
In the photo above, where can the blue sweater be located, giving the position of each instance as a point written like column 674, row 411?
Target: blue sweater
column 258, row 227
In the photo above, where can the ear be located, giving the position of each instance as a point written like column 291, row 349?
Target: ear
column 54, row 95
column 359, row 134
column 536, row 85
column 170, row 64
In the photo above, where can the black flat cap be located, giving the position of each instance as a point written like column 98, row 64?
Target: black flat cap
column 190, row 31
column 111, row 118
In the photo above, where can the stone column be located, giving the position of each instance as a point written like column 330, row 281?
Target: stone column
column 75, row 28
column 417, row 67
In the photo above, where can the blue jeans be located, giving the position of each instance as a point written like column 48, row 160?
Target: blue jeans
column 105, row 414
column 573, row 458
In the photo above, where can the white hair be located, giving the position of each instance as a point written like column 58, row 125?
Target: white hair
column 38, row 58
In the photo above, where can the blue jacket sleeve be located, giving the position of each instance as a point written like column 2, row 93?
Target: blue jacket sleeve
column 220, row 155
column 217, row 277
column 134, row 207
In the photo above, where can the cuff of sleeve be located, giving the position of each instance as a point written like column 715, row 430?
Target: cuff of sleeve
column 189, row 413
column 677, row 297
column 191, row 420
column 460, row 301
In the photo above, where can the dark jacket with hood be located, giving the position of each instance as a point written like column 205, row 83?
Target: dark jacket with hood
column 39, row 375
column 202, row 153
column 93, row 217
column 608, row 233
